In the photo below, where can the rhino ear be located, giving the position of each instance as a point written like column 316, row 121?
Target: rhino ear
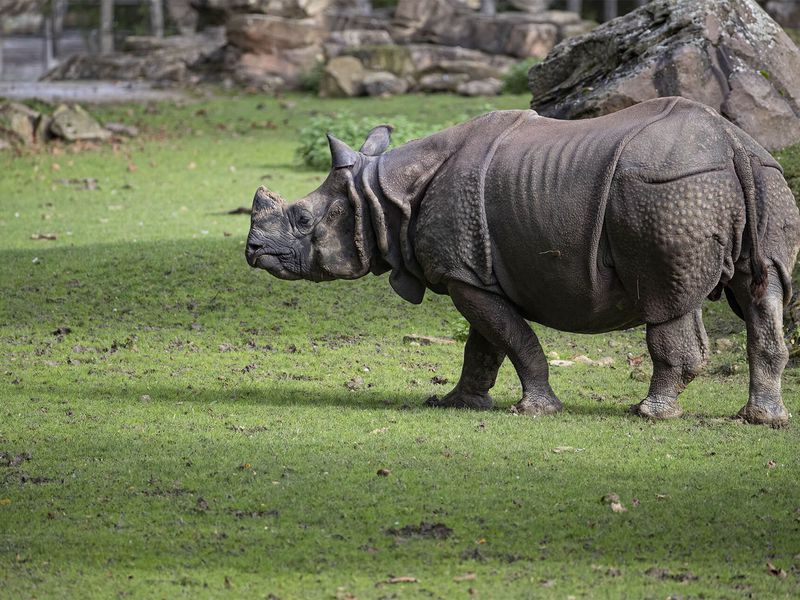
column 377, row 140
column 342, row 155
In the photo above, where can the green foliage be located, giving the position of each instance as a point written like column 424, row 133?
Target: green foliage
column 204, row 430
column 312, row 150
column 310, row 80
column 461, row 329
column 790, row 161
column 516, row 80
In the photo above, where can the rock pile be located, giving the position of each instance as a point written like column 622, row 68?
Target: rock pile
column 180, row 58
column 728, row 54
column 426, row 45
column 20, row 125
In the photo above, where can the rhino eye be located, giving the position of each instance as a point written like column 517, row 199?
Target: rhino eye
column 303, row 221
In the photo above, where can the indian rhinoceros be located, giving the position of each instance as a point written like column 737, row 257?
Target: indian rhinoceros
column 584, row 226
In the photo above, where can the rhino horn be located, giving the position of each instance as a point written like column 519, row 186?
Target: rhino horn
column 342, row 155
column 266, row 200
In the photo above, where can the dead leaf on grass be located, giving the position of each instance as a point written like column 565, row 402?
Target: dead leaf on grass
column 402, row 579
column 63, row 330
column 776, row 571
column 202, row 505
column 562, row 449
column 44, row 236
column 772, row 464
column 379, row 430
column 383, row 472
column 439, row 380
column 465, row 577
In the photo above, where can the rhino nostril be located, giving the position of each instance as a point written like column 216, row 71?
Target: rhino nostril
column 250, row 252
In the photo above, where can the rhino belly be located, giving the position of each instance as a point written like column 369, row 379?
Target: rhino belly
column 553, row 284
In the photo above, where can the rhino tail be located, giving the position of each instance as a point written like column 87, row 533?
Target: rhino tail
column 743, row 165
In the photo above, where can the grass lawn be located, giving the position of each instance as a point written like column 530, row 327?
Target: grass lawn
column 176, row 424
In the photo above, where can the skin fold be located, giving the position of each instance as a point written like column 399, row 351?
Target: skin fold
column 585, row 226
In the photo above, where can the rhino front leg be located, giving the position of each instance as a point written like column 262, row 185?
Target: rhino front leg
column 766, row 351
column 482, row 360
column 499, row 323
column 679, row 349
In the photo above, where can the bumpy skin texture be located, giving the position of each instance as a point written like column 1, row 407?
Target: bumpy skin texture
column 584, row 226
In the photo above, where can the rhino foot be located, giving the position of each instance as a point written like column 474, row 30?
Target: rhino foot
column 657, row 407
column 773, row 414
column 537, row 406
column 460, row 399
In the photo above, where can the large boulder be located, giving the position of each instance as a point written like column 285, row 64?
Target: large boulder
column 728, row 54
column 219, row 11
column 73, row 123
column 343, row 77
column 449, row 23
column 418, row 60
column 18, row 123
column 383, row 83
column 531, row 6
column 268, row 34
column 173, row 58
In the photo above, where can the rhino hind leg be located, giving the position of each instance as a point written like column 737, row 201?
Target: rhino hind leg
column 482, row 360
column 766, row 350
column 499, row 323
column 679, row 349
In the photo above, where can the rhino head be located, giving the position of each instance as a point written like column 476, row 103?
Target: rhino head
column 322, row 236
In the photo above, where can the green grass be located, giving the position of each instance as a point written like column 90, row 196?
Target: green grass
column 193, row 434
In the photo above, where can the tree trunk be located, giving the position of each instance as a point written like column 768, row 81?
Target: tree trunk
column 106, row 26
column 157, row 18
column 488, row 7
column 610, row 10
column 59, row 12
column 575, row 5
column 47, row 42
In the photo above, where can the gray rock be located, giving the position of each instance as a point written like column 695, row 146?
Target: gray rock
column 730, row 55
column 220, row 10
column 73, row 123
column 173, row 58
column 343, row 77
column 449, row 23
column 785, row 12
column 19, row 122
column 442, row 82
column 122, row 129
column 480, row 87
column 383, row 83
column 268, row 34
column 531, row 6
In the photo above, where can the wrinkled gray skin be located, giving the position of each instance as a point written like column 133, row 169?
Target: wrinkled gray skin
column 585, row 226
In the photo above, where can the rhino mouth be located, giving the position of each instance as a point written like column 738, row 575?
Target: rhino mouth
column 274, row 263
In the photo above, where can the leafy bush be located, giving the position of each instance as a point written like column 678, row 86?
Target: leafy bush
column 516, row 80
column 313, row 148
column 310, row 80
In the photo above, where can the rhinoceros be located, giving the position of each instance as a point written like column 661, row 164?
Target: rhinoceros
column 584, row 226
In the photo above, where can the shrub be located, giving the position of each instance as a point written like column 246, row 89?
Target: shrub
column 310, row 80
column 313, row 147
column 516, row 80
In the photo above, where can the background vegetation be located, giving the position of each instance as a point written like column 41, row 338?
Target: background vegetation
column 176, row 424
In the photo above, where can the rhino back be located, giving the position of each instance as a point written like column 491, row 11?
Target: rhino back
column 546, row 195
